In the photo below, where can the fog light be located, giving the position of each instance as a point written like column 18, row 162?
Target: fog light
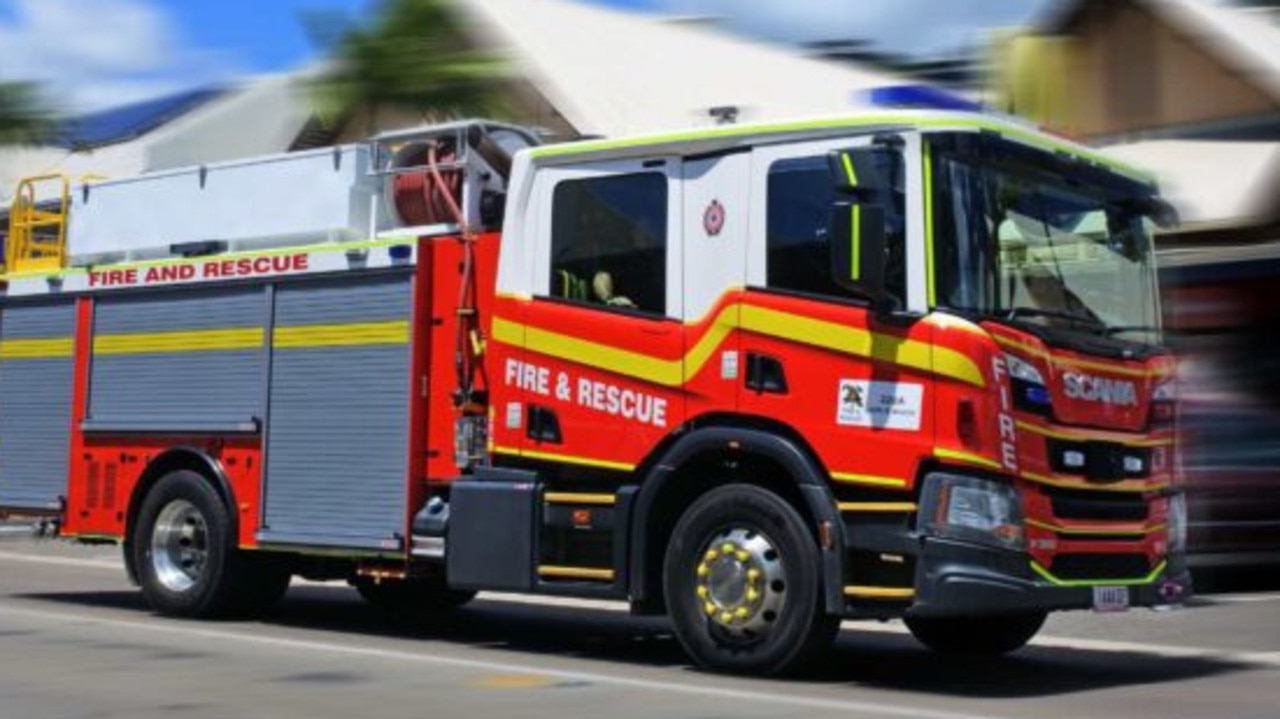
column 1072, row 458
column 1132, row 464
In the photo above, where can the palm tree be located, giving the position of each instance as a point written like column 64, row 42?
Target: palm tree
column 23, row 117
column 415, row 55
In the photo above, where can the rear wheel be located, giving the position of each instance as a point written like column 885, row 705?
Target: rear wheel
column 185, row 557
column 743, row 583
column 976, row 636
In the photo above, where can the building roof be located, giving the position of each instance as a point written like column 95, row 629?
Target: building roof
column 121, row 124
column 1247, row 41
column 611, row 72
column 259, row 117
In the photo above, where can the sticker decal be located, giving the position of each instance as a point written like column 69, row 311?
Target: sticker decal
column 883, row 405
column 713, row 218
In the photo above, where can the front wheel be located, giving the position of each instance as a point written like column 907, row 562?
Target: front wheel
column 743, row 583
column 976, row 636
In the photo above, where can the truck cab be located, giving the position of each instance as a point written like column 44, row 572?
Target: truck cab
column 938, row 336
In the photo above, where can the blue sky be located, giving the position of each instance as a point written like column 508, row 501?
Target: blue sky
column 96, row 53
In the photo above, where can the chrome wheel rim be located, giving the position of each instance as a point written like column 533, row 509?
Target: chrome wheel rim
column 741, row 583
column 179, row 545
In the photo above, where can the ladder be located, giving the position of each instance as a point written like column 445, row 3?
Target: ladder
column 38, row 229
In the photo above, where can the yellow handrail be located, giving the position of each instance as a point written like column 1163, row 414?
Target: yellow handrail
column 37, row 237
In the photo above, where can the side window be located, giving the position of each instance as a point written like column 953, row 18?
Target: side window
column 609, row 241
column 799, row 197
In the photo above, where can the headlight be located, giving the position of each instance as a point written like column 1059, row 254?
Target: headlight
column 1023, row 370
column 1029, row 390
column 973, row 509
column 1177, row 523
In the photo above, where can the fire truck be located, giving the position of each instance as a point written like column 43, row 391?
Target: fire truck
column 757, row 378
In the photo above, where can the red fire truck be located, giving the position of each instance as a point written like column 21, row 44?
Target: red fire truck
column 757, row 378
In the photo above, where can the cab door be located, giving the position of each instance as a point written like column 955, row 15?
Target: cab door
column 601, row 370
column 717, row 220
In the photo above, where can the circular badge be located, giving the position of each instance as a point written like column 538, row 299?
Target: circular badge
column 713, row 218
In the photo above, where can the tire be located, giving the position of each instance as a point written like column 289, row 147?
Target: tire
column 743, row 584
column 185, row 557
column 981, row 636
column 412, row 596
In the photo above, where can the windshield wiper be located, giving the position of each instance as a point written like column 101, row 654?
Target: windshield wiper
column 1130, row 328
column 1016, row 312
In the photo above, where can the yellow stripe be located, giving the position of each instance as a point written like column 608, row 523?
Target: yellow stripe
column 1124, row 486
column 951, row 454
column 1084, row 435
column 862, row 343
column 870, row 479
column 557, row 572
column 848, row 169
column 577, row 498
column 392, row 332
column 783, row 325
column 930, row 290
column 866, row 592
column 1076, row 531
column 877, row 506
column 36, row 349
column 1046, row 574
column 565, row 458
column 181, row 341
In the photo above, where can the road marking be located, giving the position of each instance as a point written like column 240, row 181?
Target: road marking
column 1270, row 659
column 16, row 529
column 721, row 691
column 1238, row 598
column 62, row 561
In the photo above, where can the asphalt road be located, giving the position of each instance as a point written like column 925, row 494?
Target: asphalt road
column 77, row 642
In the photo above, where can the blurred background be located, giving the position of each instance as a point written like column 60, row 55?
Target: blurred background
column 1189, row 89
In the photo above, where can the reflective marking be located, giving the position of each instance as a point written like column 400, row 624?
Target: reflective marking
column 832, row 336
column 876, row 506
column 575, row 498
column 342, row 335
column 957, row 456
column 870, row 479
column 566, row 458
column 1124, row 486
column 1119, row 531
column 865, row 592
column 241, row 338
column 594, row 574
column 50, row 348
column 1048, row 576
column 1086, row 435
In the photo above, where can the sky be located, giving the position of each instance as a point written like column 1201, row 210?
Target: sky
column 91, row 54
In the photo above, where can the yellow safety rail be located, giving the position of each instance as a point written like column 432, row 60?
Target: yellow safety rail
column 37, row 237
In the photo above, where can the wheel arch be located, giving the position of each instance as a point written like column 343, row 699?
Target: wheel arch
column 171, row 460
column 677, row 478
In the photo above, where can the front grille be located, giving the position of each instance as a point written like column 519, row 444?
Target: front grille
column 1101, row 506
column 1100, row 566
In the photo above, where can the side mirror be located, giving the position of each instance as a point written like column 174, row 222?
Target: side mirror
column 856, row 236
column 861, row 171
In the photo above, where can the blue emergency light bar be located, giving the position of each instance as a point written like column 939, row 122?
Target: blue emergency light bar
column 920, row 97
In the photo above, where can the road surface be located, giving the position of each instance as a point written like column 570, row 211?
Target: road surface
column 77, row 642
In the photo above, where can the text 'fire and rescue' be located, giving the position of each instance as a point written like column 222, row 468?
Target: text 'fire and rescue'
column 598, row 396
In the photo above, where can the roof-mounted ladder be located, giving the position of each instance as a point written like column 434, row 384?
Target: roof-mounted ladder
column 38, row 229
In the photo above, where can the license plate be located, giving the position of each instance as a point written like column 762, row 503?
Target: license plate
column 1110, row 599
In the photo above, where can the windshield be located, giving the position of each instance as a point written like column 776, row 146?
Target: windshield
column 1016, row 242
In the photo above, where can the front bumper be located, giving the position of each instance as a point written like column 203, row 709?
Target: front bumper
column 964, row 579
